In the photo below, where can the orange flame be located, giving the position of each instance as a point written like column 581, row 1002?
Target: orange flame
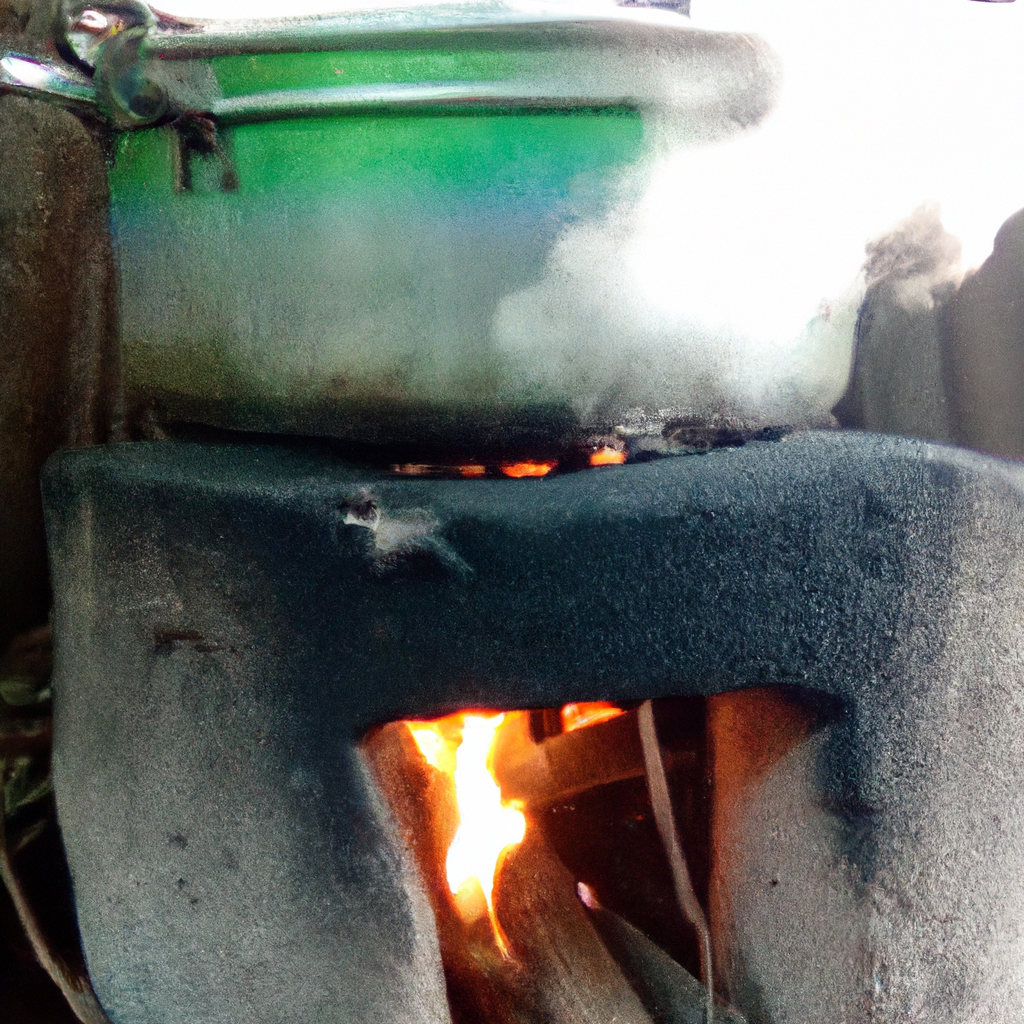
column 521, row 469
column 429, row 469
column 607, row 457
column 461, row 746
column 578, row 716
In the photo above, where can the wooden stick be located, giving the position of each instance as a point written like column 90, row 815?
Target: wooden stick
column 668, row 990
column 560, row 767
column 74, row 984
column 657, row 784
column 574, row 978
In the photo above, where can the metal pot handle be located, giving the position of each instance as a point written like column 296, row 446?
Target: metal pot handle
column 105, row 77
column 47, row 79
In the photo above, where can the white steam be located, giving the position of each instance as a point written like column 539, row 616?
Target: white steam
column 889, row 104
column 694, row 290
column 736, row 268
column 727, row 279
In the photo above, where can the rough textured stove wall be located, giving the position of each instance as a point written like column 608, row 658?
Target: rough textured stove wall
column 224, row 638
column 899, row 879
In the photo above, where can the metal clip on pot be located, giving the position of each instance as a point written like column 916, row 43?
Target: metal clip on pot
column 106, row 68
column 100, row 70
column 46, row 79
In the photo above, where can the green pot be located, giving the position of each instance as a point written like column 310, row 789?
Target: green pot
column 334, row 246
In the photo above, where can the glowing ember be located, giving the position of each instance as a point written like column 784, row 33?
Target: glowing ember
column 429, row 469
column 607, row 457
column 578, row 716
column 461, row 746
column 521, row 469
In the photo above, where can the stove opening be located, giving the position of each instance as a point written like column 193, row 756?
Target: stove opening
column 568, row 852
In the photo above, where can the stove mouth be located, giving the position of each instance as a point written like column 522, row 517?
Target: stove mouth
column 568, row 853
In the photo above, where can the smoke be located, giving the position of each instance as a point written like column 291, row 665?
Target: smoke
column 889, row 105
column 677, row 302
column 730, row 279
column 898, row 384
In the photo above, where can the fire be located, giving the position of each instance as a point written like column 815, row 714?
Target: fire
column 461, row 745
column 607, row 456
column 577, row 716
column 430, row 469
column 521, row 469
column 437, row 750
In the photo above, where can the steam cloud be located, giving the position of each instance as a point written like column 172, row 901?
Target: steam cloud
column 675, row 295
column 741, row 267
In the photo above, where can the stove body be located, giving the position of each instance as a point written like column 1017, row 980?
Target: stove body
column 231, row 621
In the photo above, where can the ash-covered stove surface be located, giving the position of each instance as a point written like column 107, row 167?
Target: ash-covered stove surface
column 231, row 622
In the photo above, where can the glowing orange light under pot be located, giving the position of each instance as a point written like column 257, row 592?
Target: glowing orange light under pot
column 521, row 469
column 607, row 457
column 578, row 716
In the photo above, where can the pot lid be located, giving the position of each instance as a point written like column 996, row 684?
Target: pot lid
column 147, row 69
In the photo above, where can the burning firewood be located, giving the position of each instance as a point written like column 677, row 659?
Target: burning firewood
column 668, row 991
column 573, row 977
column 544, row 963
column 482, row 984
column 559, row 767
column 518, row 946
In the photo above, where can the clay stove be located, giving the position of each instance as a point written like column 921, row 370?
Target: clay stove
column 232, row 621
